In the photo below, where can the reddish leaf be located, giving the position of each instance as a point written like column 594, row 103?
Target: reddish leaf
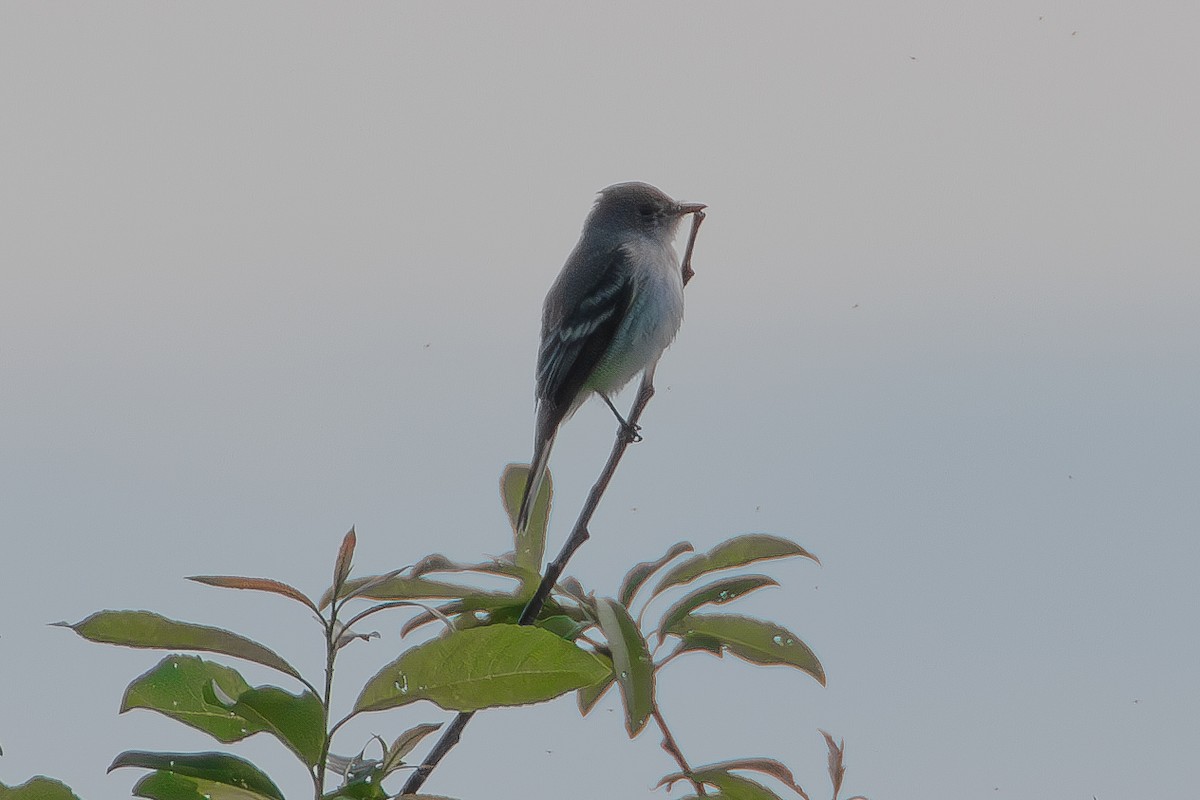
column 255, row 584
column 341, row 569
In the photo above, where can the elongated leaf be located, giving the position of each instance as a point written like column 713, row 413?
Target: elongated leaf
column 529, row 546
column 588, row 696
column 149, row 630
column 837, row 766
column 400, row 588
column 471, row 612
column 364, row 789
column 219, row 768
column 736, row 552
column 172, row 786
column 767, row 766
column 414, row 586
column 442, row 613
column 505, row 566
column 718, row 593
column 296, row 720
column 500, row 665
column 404, row 744
column 732, row 787
column 255, row 584
column 754, row 640
column 735, row 787
column 700, row 643
column 345, row 557
column 361, row 587
column 631, row 663
column 176, row 687
column 506, row 614
column 562, row 625
column 38, row 788
column 485, row 608
column 642, row 572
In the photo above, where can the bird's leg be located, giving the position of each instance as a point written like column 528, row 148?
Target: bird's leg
column 629, row 430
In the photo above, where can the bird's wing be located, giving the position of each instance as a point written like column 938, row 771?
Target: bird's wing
column 576, row 336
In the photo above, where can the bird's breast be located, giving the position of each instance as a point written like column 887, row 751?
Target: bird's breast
column 652, row 320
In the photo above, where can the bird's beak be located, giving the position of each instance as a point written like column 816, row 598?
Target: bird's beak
column 690, row 208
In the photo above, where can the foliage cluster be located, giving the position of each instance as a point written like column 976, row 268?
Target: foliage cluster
column 479, row 658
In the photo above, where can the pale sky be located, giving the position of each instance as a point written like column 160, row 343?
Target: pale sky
column 273, row 270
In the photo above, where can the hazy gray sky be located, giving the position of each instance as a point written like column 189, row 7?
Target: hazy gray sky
column 273, row 270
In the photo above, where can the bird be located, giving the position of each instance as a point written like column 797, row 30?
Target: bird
column 614, row 308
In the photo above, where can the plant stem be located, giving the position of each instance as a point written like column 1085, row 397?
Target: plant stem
column 669, row 744
column 330, row 655
column 579, row 535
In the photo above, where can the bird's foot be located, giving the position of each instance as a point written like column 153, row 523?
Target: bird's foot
column 629, row 430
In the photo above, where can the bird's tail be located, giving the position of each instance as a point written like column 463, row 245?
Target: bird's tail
column 544, row 441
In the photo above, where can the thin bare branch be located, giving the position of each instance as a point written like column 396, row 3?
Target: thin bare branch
column 669, row 744
column 579, row 535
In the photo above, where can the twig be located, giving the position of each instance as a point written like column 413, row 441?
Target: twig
column 669, row 744
column 579, row 535
column 444, row 745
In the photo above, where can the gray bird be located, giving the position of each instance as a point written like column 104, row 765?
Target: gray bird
column 610, row 314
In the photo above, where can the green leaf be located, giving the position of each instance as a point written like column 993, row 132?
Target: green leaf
column 255, row 584
column 504, row 566
column 736, row 552
column 373, row 790
column 642, row 572
column 732, row 787
column 767, row 766
column 631, row 662
column 172, row 786
column 563, row 626
column 442, row 613
column 404, row 745
column 399, row 588
column 754, row 640
column 150, row 630
column 479, row 617
column 701, row 643
column 296, row 720
column 38, row 788
column 219, row 768
column 361, row 791
column 529, row 545
column 718, row 593
column 735, row 787
column 485, row 608
column 588, row 696
column 365, row 789
column 180, row 687
column 499, row 665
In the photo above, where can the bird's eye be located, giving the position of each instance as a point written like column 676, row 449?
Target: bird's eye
column 646, row 211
